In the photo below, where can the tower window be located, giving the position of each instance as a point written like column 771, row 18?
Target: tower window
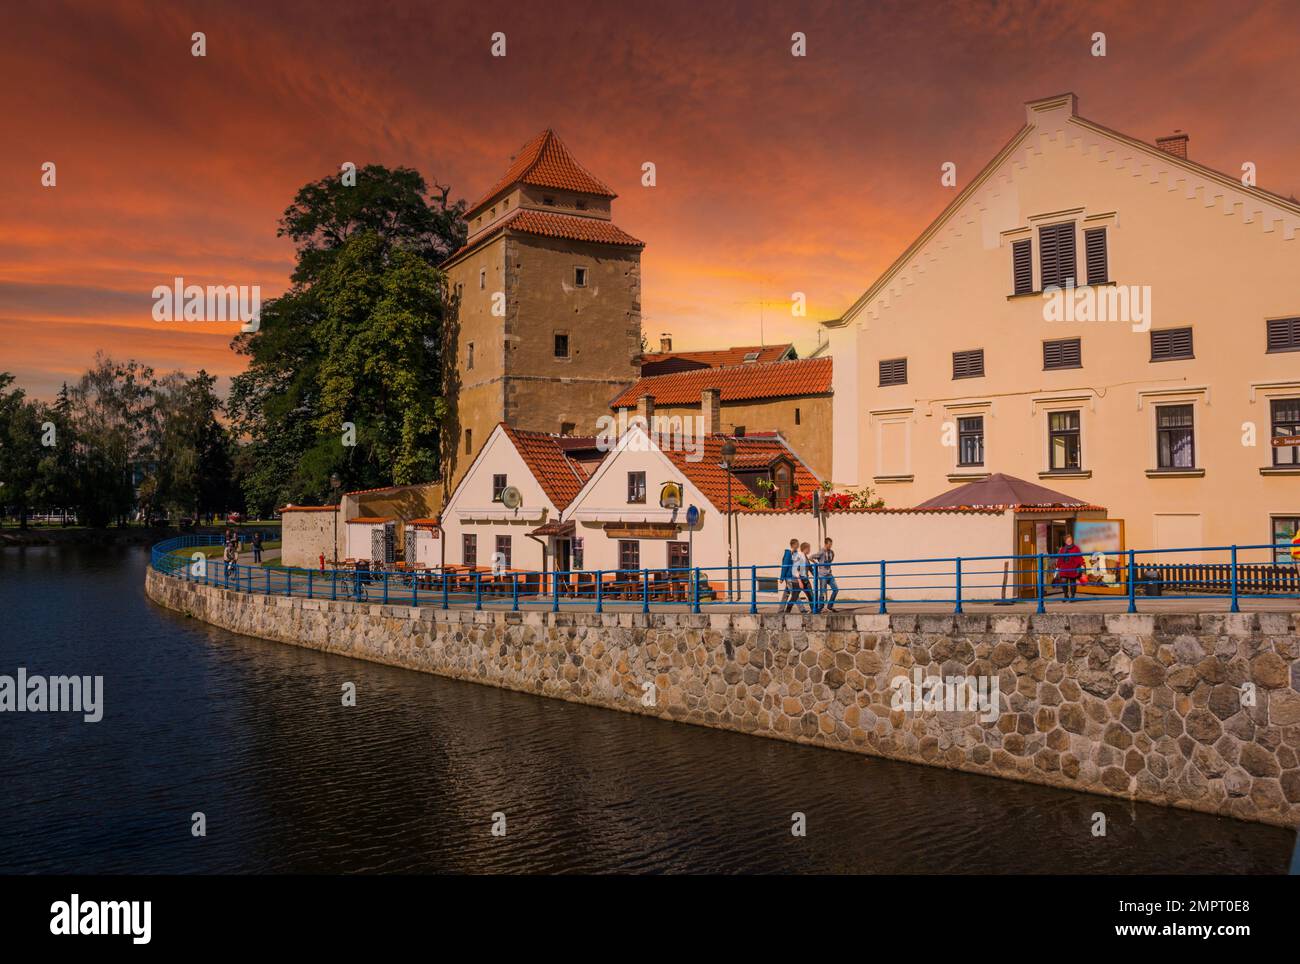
column 580, row 277
column 469, row 441
column 469, row 356
column 482, row 278
column 561, row 345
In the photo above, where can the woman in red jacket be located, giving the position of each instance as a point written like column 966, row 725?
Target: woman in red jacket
column 1069, row 566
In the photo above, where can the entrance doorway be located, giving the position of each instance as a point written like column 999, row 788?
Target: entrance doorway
column 563, row 555
column 1033, row 537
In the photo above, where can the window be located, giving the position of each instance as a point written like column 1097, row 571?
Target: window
column 1286, row 425
column 498, row 486
column 783, row 483
column 893, row 371
column 1056, row 255
column 1094, row 248
column 636, row 488
column 575, row 558
column 1170, row 343
column 482, row 278
column 1063, row 353
column 1063, row 442
column 1285, row 528
column 561, row 345
column 580, row 205
column 503, row 555
column 629, row 554
column 1022, row 266
column 796, row 416
column 549, row 201
column 580, row 277
column 469, row 549
column 492, row 214
column 968, row 364
column 505, row 205
column 750, row 357
column 679, row 555
column 738, row 431
column 970, row 440
column 1284, row 334
column 469, row 441
column 568, row 428
column 1175, row 441
column 469, row 357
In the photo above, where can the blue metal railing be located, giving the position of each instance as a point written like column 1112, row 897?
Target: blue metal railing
column 1231, row 573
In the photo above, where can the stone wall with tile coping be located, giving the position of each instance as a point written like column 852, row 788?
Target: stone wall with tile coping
column 1145, row 706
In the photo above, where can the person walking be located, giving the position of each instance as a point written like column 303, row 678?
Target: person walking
column 257, row 548
column 1069, row 565
column 799, row 578
column 826, row 577
column 231, row 557
column 787, row 558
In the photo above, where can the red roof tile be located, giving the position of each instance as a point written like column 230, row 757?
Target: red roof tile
column 808, row 376
column 710, row 477
column 549, row 224
column 668, row 362
column 545, row 162
column 546, row 458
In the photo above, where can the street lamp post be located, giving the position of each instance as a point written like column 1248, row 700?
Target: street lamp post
column 728, row 453
column 335, row 484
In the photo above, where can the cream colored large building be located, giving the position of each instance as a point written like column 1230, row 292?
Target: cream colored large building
column 954, row 364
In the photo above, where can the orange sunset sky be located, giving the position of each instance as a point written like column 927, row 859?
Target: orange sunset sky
column 776, row 174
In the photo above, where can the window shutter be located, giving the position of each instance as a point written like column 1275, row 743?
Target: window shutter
column 1022, row 266
column 1284, row 334
column 1066, row 353
column 893, row 371
column 1056, row 254
column 1095, row 246
column 1171, row 343
column 968, row 364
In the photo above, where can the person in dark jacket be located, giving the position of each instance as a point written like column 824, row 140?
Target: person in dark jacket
column 1069, row 566
column 257, row 548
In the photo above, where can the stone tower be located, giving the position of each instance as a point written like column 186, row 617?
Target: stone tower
column 549, row 326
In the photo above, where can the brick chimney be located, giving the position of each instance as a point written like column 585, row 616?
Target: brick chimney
column 1175, row 144
column 645, row 408
column 711, row 410
column 666, row 342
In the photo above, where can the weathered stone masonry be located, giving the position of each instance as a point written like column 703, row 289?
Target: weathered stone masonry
column 1146, row 707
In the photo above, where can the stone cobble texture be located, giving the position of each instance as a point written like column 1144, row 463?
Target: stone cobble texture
column 1200, row 711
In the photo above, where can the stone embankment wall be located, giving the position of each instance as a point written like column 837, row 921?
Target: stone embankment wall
column 1196, row 711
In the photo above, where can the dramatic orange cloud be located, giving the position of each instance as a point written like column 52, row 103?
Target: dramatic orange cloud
column 776, row 173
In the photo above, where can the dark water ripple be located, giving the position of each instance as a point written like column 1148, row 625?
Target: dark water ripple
column 253, row 734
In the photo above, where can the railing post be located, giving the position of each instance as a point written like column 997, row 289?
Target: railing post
column 310, row 574
column 268, row 582
column 645, row 590
column 1132, row 582
column 478, row 589
column 1236, row 605
column 288, row 582
column 415, row 588
column 957, row 608
column 600, row 590
column 514, row 592
column 882, row 586
column 816, row 606
column 753, row 589
column 695, row 590
column 1042, row 608
column 445, row 583
column 334, row 583
column 555, row 591
column 385, row 587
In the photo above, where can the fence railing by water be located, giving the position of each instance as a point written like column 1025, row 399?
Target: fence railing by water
column 1232, row 573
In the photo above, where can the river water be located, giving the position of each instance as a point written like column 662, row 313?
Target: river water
column 254, row 736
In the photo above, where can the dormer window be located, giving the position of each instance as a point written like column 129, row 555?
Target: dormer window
column 783, row 483
column 751, row 356
column 548, row 201
column 581, row 205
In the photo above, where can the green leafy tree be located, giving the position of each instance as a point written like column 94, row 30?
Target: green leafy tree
column 20, row 448
column 304, row 378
